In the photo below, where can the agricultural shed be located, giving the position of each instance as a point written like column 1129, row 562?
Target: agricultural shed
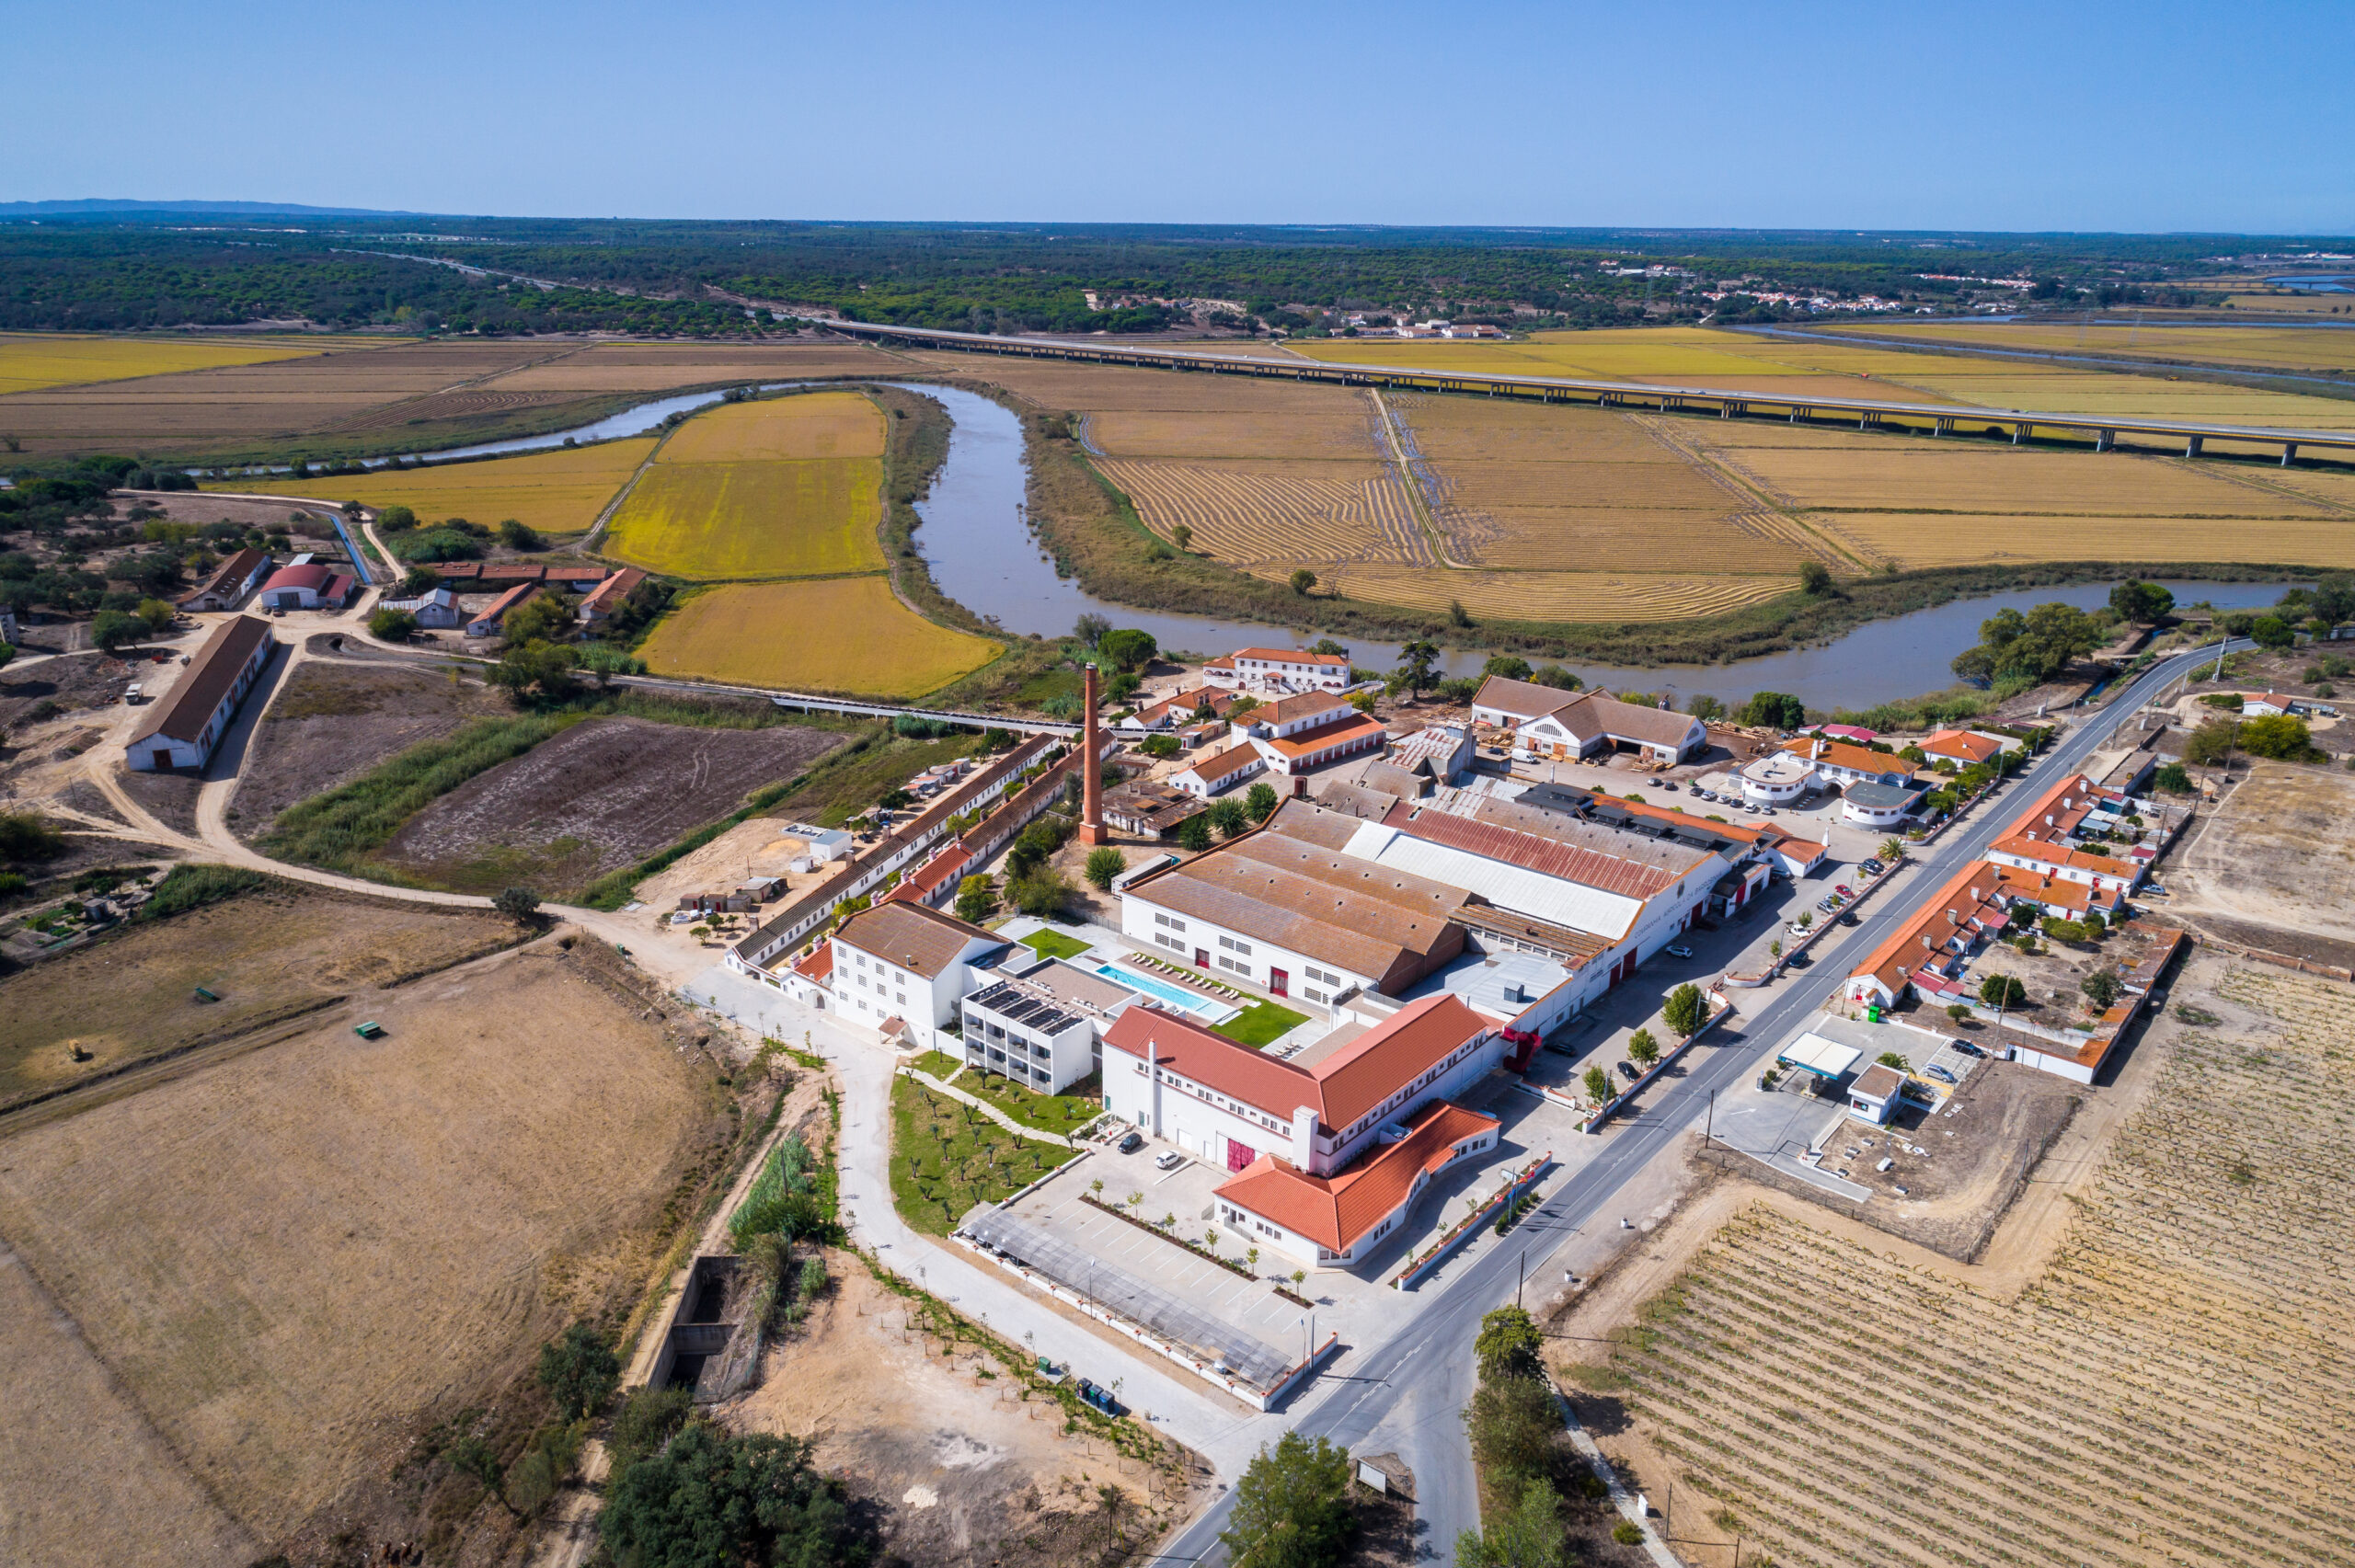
column 230, row 582
column 182, row 730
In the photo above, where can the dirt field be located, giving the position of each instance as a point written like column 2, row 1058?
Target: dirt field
column 846, row 634
column 965, row 1474
column 73, row 683
column 2159, row 1387
column 2277, row 852
column 291, row 1258
column 602, row 794
column 333, row 721
column 266, row 955
column 655, row 367
column 749, row 849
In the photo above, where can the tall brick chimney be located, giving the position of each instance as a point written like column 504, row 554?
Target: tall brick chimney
column 1091, row 770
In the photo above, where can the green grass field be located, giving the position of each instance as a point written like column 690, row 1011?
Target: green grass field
column 1261, row 1024
column 1054, row 944
column 947, row 1157
column 709, row 522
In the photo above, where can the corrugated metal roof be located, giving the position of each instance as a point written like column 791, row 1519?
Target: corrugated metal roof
column 1546, row 897
column 1610, row 859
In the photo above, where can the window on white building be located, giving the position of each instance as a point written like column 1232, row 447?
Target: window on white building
column 1232, row 945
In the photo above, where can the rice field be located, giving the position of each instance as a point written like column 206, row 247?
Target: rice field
column 815, row 424
column 1922, row 475
column 1942, row 539
column 31, row 361
column 1290, row 514
column 785, row 488
column 846, row 634
column 1600, row 597
column 658, row 367
column 2173, row 1386
column 556, row 492
column 2268, row 348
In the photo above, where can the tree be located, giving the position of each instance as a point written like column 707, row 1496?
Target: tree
column 976, row 897
column 2172, row 778
column 1260, row 801
column 2101, row 989
column 1815, row 578
column 26, row 837
column 392, row 625
column 2059, row 930
column 1508, row 667
column 1104, row 863
column 1181, row 536
column 707, row 1499
column 540, row 667
column 157, row 615
column 1417, row 662
column 2143, row 603
column 518, row 536
column 2333, row 600
column 1958, row 1012
column 604, row 661
column 517, row 904
column 2211, row 743
column 1530, row 1535
column 1228, row 817
column 2271, row 632
column 2002, row 990
column 1807, row 918
column 1514, row 1426
column 112, row 628
column 1509, row 1346
column 1890, row 850
column 1553, row 675
column 1362, row 700
column 1302, row 579
column 7, row 652
column 1129, row 648
column 1291, row 1506
column 544, row 617
column 1160, row 746
column 1773, row 710
column 1706, row 709
column 1598, row 1084
column 396, row 519
column 420, row 581
column 2094, row 923
column 2276, row 736
column 1042, row 893
column 579, row 1370
column 1091, row 627
column 1685, row 1010
column 1642, row 1049
column 1194, row 833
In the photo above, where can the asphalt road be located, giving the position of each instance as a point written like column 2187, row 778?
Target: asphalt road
column 1423, row 1376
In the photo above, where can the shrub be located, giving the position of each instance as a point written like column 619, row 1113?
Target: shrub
column 1598, row 1084
column 2174, row 778
column 1229, row 818
column 517, row 904
column 2276, row 736
column 1103, row 865
column 187, row 888
column 1508, row 666
column 706, row 1497
column 2003, row 990
column 1194, row 833
column 1291, row 1506
column 26, row 837
column 396, row 519
column 1509, row 1345
column 1161, row 748
column 2101, row 989
column 1890, row 1058
column 1302, row 579
column 977, row 898
column 1958, row 1011
column 113, row 628
column 392, row 625
column 1627, row 1533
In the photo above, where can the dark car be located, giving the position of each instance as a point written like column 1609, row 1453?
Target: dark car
column 1628, row 1070
column 1871, row 868
column 1131, row 1143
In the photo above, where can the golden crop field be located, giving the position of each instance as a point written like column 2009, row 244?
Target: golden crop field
column 1942, row 539
column 815, row 424
column 556, row 492
column 845, row 634
column 2291, row 304
column 2272, row 348
column 656, row 367
column 1195, row 434
column 706, row 522
column 2173, row 1386
column 30, row 360
column 1922, row 475
column 2007, row 386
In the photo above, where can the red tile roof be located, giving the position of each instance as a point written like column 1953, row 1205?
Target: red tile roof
column 1337, row 1211
column 1283, row 656
column 1840, row 754
column 1357, row 728
column 1571, row 863
column 311, row 576
column 1224, row 763
column 1340, row 1089
column 614, row 589
column 1300, row 706
column 2050, row 853
column 1962, row 745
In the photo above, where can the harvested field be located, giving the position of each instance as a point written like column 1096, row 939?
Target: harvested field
column 472, row 403
column 1937, row 539
column 604, row 793
column 962, row 1471
column 2167, row 1390
column 238, row 406
column 1343, row 433
column 1925, row 477
column 814, row 424
column 30, row 362
column 1278, row 513
column 129, row 1501
column 290, row 1261
column 848, row 635
column 656, row 367
column 332, row 722
column 2009, row 384
column 2276, row 853
column 2265, row 348
column 556, row 492
column 280, row 950
column 717, row 520
column 1061, row 385
column 1603, row 597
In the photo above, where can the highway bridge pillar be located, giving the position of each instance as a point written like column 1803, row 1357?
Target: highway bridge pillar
column 1798, row 412
column 2191, row 445
column 2288, row 453
column 2019, row 434
column 1942, row 428
column 2105, row 439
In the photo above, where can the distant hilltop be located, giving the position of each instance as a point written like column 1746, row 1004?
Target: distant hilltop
column 240, row 208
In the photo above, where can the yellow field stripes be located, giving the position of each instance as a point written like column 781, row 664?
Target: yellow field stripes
column 1256, row 513
column 849, row 635
column 29, row 361
column 556, row 492
column 814, row 424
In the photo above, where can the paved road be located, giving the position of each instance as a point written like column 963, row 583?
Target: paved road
column 1411, row 1389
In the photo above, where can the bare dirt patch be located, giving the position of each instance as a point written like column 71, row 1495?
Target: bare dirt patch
column 170, row 798
column 65, row 684
column 269, row 955
column 293, row 1259
column 332, row 722
column 604, row 795
column 963, row 1472
column 753, row 848
column 2277, row 852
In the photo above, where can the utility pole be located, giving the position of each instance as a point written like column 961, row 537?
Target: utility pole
column 1710, row 1129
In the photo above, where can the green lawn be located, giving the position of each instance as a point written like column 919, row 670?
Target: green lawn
column 947, row 1157
column 939, row 1064
column 1054, row 944
column 1065, row 1113
column 1261, row 1024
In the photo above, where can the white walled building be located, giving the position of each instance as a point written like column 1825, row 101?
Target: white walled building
column 181, row 730
column 905, row 961
column 1043, row 1027
column 1549, row 722
column 1278, row 671
column 1297, row 734
column 1220, row 772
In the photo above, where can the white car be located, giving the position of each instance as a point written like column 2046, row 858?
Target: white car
column 1679, row 951
column 1167, row 1160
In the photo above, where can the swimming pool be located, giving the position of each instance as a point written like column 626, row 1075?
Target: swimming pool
column 1201, row 1006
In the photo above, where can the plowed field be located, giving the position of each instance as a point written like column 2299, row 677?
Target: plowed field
column 2172, row 1388
column 846, row 634
column 556, row 492
column 656, row 367
column 1589, row 596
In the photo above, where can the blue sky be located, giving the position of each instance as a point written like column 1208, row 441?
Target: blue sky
column 1983, row 116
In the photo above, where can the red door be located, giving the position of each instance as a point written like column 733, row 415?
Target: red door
column 1278, row 982
column 1202, row 959
column 1239, row 1155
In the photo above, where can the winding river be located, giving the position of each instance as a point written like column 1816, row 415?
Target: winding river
column 976, row 539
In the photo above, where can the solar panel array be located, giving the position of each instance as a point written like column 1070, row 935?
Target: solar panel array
column 1250, row 1359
